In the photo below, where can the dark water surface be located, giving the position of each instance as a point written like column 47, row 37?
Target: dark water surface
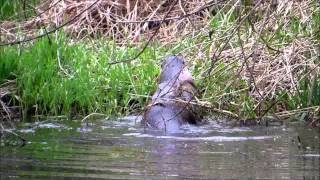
column 123, row 150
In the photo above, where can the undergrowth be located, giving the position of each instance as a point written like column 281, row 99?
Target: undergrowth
column 247, row 62
column 14, row 9
column 54, row 77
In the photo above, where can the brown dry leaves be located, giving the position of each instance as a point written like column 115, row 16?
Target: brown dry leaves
column 120, row 20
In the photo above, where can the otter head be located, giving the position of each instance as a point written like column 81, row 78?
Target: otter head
column 172, row 67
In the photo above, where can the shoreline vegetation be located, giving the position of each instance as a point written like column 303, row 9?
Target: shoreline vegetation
column 251, row 59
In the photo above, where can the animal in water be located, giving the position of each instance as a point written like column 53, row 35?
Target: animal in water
column 172, row 105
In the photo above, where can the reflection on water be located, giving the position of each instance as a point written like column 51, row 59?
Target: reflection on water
column 124, row 150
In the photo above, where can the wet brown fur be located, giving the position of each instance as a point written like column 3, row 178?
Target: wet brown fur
column 171, row 105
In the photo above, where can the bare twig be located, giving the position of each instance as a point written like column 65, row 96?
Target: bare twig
column 150, row 39
column 51, row 31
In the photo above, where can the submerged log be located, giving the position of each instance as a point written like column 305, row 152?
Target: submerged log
column 173, row 104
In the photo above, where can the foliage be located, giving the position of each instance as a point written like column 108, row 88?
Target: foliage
column 54, row 77
column 15, row 8
column 248, row 59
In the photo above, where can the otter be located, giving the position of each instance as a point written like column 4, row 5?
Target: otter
column 172, row 104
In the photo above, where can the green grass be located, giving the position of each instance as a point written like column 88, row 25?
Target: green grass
column 84, row 82
column 14, row 9
column 63, row 78
column 8, row 64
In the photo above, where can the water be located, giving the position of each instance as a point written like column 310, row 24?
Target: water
column 124, row 150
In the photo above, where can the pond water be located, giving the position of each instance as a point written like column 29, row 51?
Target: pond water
column 122, row 149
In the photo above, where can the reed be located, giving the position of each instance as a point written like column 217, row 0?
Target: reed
column 16, row 9
column 58, row 78
column 252, row 59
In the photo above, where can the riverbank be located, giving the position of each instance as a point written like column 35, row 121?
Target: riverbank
column 249, row 60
